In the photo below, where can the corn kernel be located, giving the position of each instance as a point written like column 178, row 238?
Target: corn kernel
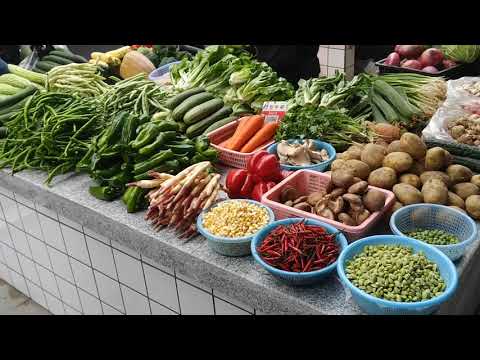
column 233, row 219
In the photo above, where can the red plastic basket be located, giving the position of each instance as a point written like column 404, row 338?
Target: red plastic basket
column 307, row 182
column 228, row 157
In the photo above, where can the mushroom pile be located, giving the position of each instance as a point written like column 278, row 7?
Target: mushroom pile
column 350, row 206
column 297, row 154
column 466, row 129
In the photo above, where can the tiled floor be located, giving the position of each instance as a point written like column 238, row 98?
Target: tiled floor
column 12, row 302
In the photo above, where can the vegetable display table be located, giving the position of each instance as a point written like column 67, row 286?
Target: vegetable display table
column 131, row 269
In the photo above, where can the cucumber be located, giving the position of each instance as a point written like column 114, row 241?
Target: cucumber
column 68, row 55
column 173, row 102
column 199, row 127
column 182, row 127
column 472, row 164
column 57, row 60
column 203, row 111
column 388, row 111
column 182, row 148
column 7, row 116
column 394, row 98
column 180, row 111
column 45, row 65
column 37, row 70
column 19, row 96
column 377, row 115
column 455, row 148
column 219, row 124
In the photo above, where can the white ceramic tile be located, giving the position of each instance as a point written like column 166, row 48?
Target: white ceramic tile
column 37, row 294
column 39, row 252
column 224, row 308
column 6, row 192
column 193, row 282
column 54, row 305
column 194, row 301
column 24, row 201
column 5, row 274
column 102, row 257
column 29, row 269
column 161, row 287
column 5, row 234
column 95, row 235
column 51, row 232
column 70, row 223
column 46, row 211
column 19, row 239
column 322, row 55
column 336, row 58
column 90, row 304
column 48, row 281
column 71, row 311
column 84, row 277
column 324, row 70
column 135, row 303
column 76, row 244
column 108, row 310
column 30, row 221
column 69, row 294
column 118, row 246
column 11, row 258
column 19, row 283
column 60, row 264
column 158, row 309
column 349, row 72
column 349, row 57
column 10, row 210
column 332, row 70
column 130, row 271
column 151, row 262
column 241, row 305
column 109, row 291
column 341, row 47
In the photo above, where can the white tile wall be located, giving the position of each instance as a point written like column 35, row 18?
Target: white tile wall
column 70, row 269
column 336, row 57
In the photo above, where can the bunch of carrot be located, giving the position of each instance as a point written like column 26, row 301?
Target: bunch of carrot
column 252, row 132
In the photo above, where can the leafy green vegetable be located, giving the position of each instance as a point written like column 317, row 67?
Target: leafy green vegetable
column 332, row 126
column 462, row 53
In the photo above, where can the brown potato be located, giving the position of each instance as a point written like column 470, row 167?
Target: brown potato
column 455, row 200
column 472, row 205
column 475, row 180
column 427, row 175
column 342, row 178
column 348, row 155
column 397, row 205
column 413, row 145
column 358, row 188
column 383, row 177
column 407, row 194
column 435, row 191
column 337, row 164
column 374, row 200
column 395, row 146
column 418, row 167
column 373, row 155
column 436, row 159
column 398, row 161
column 359, row 168
column 459, row 174
column 411, row 179
column 466, row 189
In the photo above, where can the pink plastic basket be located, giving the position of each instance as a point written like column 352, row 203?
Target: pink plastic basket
column 228, row 157
column 307, row 182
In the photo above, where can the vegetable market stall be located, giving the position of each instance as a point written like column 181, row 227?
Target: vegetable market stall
column 238, row 278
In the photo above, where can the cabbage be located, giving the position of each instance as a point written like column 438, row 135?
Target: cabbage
column 462, row 53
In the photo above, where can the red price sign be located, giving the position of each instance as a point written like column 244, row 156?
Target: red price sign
column 274, row 110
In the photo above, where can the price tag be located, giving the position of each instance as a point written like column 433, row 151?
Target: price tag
column 274, row 110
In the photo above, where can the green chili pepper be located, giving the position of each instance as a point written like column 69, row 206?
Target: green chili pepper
column 154, row 162
column 120, row 179
column 114, row 131
column 109, row 172
column 135, row 200
column 167, row 167
column 145, row 136
column 143, row 119
column 127, row 194
column 161, row 140
column 210, row 154
column 128, row 131
column 106, row 193
column 201, row 143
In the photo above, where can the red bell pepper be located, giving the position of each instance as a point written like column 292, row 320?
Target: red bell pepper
column 265, row 165
column 247, row 186
column 260, row 189
column 234, row 182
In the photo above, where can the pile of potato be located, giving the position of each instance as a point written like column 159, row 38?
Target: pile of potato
column 413, row 173
column 466, row 129
column 347, row 200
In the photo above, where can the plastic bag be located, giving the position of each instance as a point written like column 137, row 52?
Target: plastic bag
column 38, row 51
column 455, row 91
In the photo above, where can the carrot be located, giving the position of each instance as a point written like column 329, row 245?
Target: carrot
column 266, row 133
column 241, row 122
column 245, row 132
column 223, row 144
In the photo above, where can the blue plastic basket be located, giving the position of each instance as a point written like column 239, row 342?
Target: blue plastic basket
column 293, row 278
column 162, row 70
column 230, row 246
column 375, row 306
column 436, row 217
column 317, row 167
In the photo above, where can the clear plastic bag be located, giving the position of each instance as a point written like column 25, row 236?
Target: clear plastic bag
column 455, row 91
